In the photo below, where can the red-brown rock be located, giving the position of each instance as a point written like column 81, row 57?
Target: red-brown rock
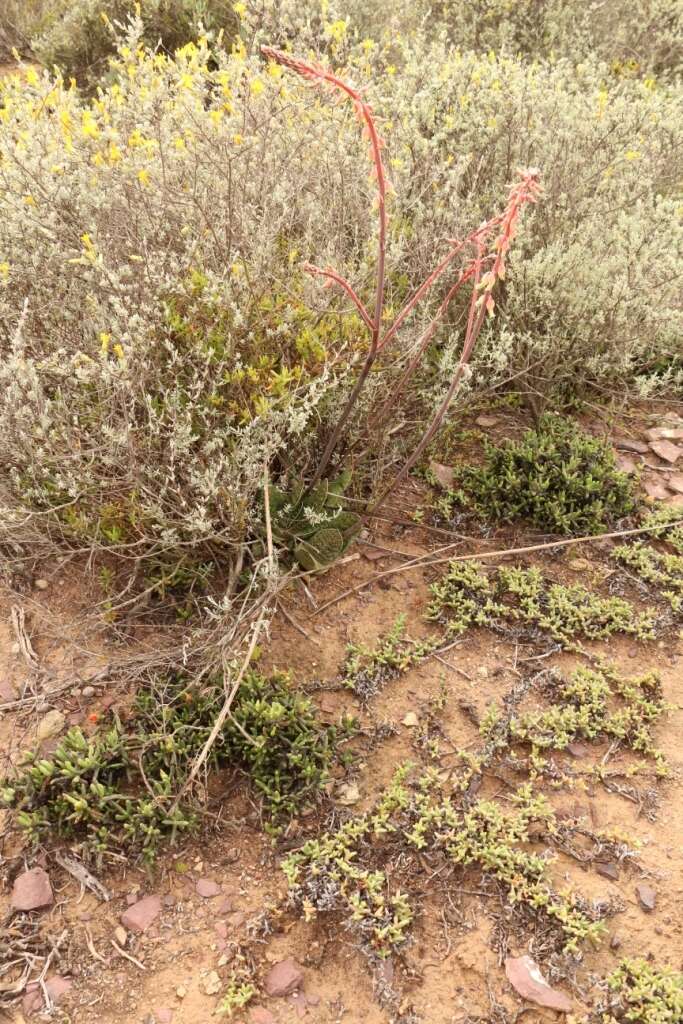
column 141, row 915
column 647, row 897
column 33, row 1000
column 283, row 978
column 525, row 976
column 207, row 888
column 32, row 890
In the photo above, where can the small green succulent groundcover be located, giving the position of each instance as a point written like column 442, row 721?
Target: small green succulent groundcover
column 642, row 993
column 116, row 789
column 556, row 476
column 313, row 525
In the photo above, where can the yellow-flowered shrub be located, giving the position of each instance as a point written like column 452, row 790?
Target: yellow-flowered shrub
column 160, row 343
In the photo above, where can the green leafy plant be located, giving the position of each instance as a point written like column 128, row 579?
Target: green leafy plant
column 366, row 670
column 556, row 476
column 666, row 525
column 336, row 870
column 314, row 524
column 115, row 789
column 641, row 993
column 592, row 704
column 238, row 994
column 662, row 571
column 467, row 596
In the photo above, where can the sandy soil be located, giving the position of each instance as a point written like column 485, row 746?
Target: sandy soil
column 452, row 968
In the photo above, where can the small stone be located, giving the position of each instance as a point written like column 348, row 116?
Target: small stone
column 212, row 983
column 667, row 451
column 207, row 888
column 654, row 488
column 260, row 1015
column 121, row 935
column 444, row 475
column 577, row 749
column 647, row 897
column 50, row 725
column 525, row 976
column 614, row 942
column 675, row 482
column 483, row 672
column 163, row 1015
column 610, row 870
column 579, row 564
column 664, row 433
column 88, row 691
column 232, row 856
column 41, row 584
column 626, row 464
column 181, row 991
column 141, row 915
column 221, row 929
column 283, row 978
column 32, row 890
column 411, row 720
column 348, row 794
column 33, row 1000
column 486, row 421
column 226, row 906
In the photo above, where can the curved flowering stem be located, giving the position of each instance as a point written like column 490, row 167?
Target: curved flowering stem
column 318, row 75
column 481, row 303
column 333, row 276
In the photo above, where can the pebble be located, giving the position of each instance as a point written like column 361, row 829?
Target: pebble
column 32, row 890
column 181, row 992
column 88, row 691
column 525, row 976
column 121, row 935
column 411, row 720
column 41, row 584
column 283, row 978
column 140, row 915
column 348, row 794
column 207, row 888
column 50, row 725
column 647, row 897
column 212, row 983
column 610, row 870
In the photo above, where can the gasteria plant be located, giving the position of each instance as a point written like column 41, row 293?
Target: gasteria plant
column 490, row 241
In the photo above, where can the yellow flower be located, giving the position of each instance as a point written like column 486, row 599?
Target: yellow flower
column 240, row 9
column 179, row 143
column 257, row 86
column 31, row 77
column 119, row 353
column 4, row 270
column 89, row 126
column 143, row 176
column 29, row 200
column 186, row 81
column 114, row 154
column 632, row 154
column 216, row 116
column 104, row 342
column 238, row 139
column 136, row 138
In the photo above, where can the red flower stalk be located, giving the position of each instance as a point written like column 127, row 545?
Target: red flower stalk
column 482, row 302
